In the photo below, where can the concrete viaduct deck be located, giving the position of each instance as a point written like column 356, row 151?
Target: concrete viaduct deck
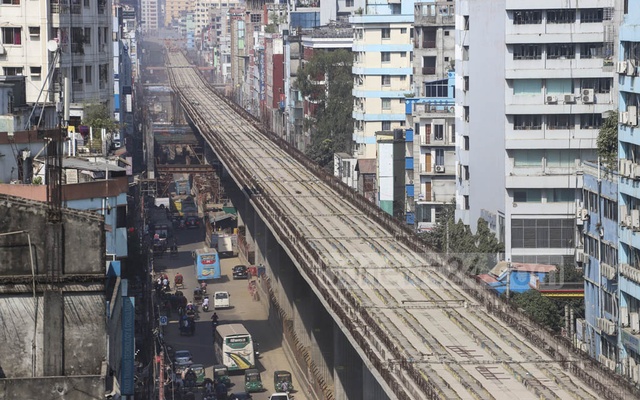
column 422, row 328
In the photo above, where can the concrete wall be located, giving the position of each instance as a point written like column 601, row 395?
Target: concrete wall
column 60, row 388
column 84, row 248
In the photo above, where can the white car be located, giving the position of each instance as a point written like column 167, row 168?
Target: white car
column 221, row 300
column 280, row 396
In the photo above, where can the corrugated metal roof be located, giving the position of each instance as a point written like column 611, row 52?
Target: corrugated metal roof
column 366, row 166
column 80, row 163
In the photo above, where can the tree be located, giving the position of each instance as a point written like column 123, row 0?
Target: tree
column 608, row 142
column 332, row 123
column 541, row 309
column 97, row 116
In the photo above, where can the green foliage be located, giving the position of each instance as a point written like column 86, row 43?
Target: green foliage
column 37, row 180
column 608, row 142
column 332, row 124
column 475, row 252
column 271, row 28
column 98, row 117
column 541, row 309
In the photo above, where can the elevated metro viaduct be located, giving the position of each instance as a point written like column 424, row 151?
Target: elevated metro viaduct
column 422, row 330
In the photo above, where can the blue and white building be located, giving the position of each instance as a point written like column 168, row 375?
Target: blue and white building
column 629, row 193
column 597, row 215
column 383, row 74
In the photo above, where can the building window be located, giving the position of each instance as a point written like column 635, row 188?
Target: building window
column 591, row 50
column 565, row 16
column 438, row 132
column 386, row 125
column 87, row 36
column 403, row 30
column 542, row 233
column 527, row 196
column 527, row 158
column 436, row 89
column 561, row 195
column 34, row 31
column 466, row 142
column 11, row 2
column 527, row 17
column 36, row 71
column 527, row 52
column 590, row 15
column 560, row 51
column 349, row 3
column 386, row 104
column 439, row 157
column 386, row 33
column 12, row 36
column 561, row 158
column 560, row 121
column 610, row 209
column 403, row 78
column 12, row 71
column 466, row 202
column 386, row 80
column 88, row 74
column 590, row 121
column 256, row 18
column 599, row 85
column 527, row 122
column 385, row 56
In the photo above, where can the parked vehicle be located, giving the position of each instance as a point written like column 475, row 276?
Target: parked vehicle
column 240, row 272
column 221, row 374
column 252, row 381
column 282, row 381
column 198, row 369
column 221, row 300
column 280, row 396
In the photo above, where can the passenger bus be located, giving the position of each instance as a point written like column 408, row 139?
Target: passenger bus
column 233, row 347
column 207, row 264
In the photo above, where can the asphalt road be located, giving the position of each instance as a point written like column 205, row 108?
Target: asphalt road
column 244, row 309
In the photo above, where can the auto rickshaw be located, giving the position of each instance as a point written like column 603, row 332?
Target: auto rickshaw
column 221, row 374
column 200, row 374
column 252, row 381
column 282, row 381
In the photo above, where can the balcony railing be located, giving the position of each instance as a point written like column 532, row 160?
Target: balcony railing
column 428, row 44
column 428, row 70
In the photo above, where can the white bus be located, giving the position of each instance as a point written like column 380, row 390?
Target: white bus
column 233, row 347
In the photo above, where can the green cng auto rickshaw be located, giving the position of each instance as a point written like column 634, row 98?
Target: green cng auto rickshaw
column 252, row 381
column 200, row 375
column 282, row 381
column 221, row 374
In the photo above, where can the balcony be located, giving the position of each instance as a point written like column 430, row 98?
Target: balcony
column 608, row 271
column 428, row 70
column 630, row 272
column 429, row 44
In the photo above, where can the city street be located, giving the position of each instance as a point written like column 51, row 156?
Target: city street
column 244, row 309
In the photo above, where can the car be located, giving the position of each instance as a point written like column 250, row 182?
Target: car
column 240, row 272
column 183, row 358
column 221, row 300
column 280, row 396
column 239, row 396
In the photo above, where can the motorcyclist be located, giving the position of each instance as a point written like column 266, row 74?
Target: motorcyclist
column 214, row 320
column 203, row 287
column 205, row 304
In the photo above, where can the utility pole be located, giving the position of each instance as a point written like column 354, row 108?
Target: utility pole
column 508, row 279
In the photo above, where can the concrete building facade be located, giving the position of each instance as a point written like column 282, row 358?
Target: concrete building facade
column 73, row 41
column 538, row 106
column 629, row 193
column 149, row 16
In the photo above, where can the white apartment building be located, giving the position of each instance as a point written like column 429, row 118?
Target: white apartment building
column 72, row 41
column 149, row 15
column 533, row 81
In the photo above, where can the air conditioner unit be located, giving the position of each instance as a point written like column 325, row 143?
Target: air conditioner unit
column 632, row 118
column 621, row 67
column 587, row 95
column 569, row 99
column 623, row 215
column 634, row 321
column 635, row 219
column 624, row 317
column 631, row 67
column 623, row 117
column 552, row 99
column 628, row 221
column 584, row 214
column 439, row 169
column 622, row 167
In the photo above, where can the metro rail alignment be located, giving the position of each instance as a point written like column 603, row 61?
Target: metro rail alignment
column 423, row 335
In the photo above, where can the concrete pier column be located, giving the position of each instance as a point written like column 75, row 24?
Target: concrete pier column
column 347, row 369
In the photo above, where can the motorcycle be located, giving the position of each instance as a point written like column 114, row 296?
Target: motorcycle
column 256, row 345
column 205, row 304
column 203, row 287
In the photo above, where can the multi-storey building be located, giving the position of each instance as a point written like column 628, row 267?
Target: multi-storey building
column 149, row 15
column 382, row 70
column 629, row 193
column 529, row 108
column 431, row 169
column 73, row 41
column 598, row 254
column 173, row 9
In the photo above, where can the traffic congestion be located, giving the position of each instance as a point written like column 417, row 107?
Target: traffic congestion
column 217, row 333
